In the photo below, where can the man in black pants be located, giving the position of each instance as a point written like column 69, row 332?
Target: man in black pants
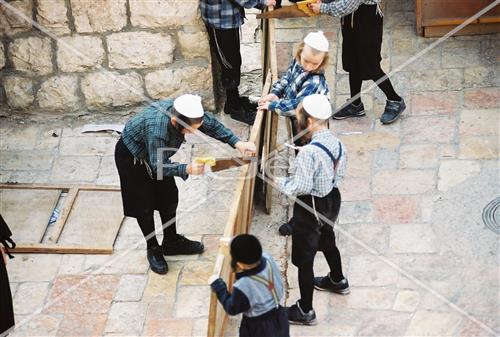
column 362, row 28
column 223, row 19
column 147, row 178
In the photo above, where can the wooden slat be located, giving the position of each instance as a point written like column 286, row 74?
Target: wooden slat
column 445, row 22
column 486, row 28
column 65, row 187
column 63, row 215
column 45, row 248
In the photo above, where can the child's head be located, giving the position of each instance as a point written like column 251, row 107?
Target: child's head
column 313, row 114
column 312, row 53
column 246, row 252
column 187, row 113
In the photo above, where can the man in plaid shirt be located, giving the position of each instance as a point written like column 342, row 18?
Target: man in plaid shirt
column 142, row 157
column 223, row 19
column 319, row 168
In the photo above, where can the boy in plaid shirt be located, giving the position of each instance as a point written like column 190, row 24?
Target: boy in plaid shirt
column 305, row 76
column 319, row 168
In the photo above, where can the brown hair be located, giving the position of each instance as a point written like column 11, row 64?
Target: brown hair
column 323, row 64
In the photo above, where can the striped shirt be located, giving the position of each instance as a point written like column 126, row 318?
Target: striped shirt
column 314, row 173
column 344, row 7
column 226, row 14
column 150, row 131
column 293, row 86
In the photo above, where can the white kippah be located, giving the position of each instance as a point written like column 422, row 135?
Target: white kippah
column 317, row 106
column 317, row 40
column 189, row 105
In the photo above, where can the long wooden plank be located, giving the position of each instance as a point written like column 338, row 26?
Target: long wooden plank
column 88, row 187
column 28, row 211
column 217, row 317
column 486, row 28
column 45, row 248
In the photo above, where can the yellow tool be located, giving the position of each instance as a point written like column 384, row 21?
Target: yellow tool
column 210, row 161
column 219, row 164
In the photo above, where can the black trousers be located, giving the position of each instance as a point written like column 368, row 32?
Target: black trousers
column 309, row 237
column 142, row 195
column 6, row 309
column 225, row 44
column 271, row 324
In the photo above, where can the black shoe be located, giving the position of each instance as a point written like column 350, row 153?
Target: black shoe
column 157, row 261
column 286, row 229
column 297, row 316
column 247, row 104
column 182, row 246
column 326, row 284
column 393, row 110
column 240, row 114
column 350, row 110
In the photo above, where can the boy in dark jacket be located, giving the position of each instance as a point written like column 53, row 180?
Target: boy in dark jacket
column 257, row 292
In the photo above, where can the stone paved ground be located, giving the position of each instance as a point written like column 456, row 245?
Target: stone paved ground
column 419, row 259
column 117, row 295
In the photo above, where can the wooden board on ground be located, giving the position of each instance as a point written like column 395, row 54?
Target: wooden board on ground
column 27, row 212
column 94, row 220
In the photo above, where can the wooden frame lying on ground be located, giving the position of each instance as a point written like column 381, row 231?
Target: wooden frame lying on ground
column 89, row 219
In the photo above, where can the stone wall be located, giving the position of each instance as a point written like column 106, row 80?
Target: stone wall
column 101, row 55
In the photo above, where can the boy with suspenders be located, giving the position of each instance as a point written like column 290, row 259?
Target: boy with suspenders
column 319, row 168
column 257, row 292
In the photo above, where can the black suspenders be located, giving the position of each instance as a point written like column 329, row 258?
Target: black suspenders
column 329, row 153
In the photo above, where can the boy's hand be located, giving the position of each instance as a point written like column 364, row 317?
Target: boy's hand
column 195, row 169
column 263, row 106
column 268, row 98
column 270, row 3
column 315, row 7
column 247, row 149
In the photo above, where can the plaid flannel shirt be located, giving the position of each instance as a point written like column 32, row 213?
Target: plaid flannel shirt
column 314, row 171
column 148, row 132
column 344, row 7
column 225, row 14
column 293, row 86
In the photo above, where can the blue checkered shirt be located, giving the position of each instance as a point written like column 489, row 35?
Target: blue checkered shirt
column 344, row 7
column 225, row 14
column 293, row 86
column 314, row 172
column 149, row 131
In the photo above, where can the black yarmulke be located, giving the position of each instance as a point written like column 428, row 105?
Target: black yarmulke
column 246, row 248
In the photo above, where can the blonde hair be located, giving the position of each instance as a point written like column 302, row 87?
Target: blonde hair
column 323, row 64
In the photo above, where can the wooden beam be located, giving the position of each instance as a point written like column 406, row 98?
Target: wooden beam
column 61, row 221
column 65, row 187
column 39, row 248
